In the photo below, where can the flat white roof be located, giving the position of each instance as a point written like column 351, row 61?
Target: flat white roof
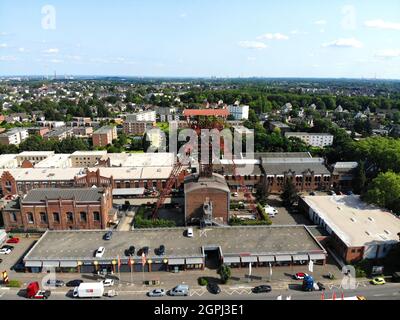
column 355, row 222
column 35, row 153
column 163, row 159
column 90, row 153
column 58, row 160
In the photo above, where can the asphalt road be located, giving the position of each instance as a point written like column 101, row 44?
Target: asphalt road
column 386, row 292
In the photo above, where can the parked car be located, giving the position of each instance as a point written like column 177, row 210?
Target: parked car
column 1, row 260
column 55, row 283
column 108, row 282
column 213, row 288
column 74, row 283
column 189, row 232
column 179, row 290
column 161, row 250
column 321, row 286
column 145, row 250
column 33, row 292
column 13, row 240
column 262, row 289
column 130, row 251
column 300, row 275
column 312, row 193
column 156, row 293
column 349, row 193
column 5, row 250
column 271, row 211
column 331, row 193
column 100, row 252
column 235, row 194
column 108, row 235
column 378, row 281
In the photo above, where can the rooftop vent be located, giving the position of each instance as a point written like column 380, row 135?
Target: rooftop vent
column 352, row 219
column 368, row 233
column 371, row 219
column 387, row 232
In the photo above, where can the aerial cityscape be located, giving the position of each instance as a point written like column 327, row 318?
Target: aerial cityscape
column 195, row 157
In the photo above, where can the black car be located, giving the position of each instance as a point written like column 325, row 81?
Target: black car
column 55, row 283
column 130, row 251
column 145, row 250
column 6, row 246
column 321, row 286
column 261, row 289
column 108, row 235
column 74, row 283
column 312, row 193
column 161, row 250
column 213, row 288
column 1, row 260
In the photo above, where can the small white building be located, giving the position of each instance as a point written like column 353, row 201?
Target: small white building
column 239, row 112
column 319, row 140
column 14, row 136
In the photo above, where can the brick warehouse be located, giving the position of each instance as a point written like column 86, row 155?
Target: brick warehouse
column 60, row 209
column 198, row 190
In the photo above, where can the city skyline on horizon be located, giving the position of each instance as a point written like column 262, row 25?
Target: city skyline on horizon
column 340, row 40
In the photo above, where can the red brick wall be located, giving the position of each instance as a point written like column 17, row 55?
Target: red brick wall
column 195, row 200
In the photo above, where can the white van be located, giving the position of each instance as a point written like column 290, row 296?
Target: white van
column 180, row 290
column 189, row 232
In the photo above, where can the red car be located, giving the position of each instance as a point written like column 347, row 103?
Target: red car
column 300, row 275
column 13, row 240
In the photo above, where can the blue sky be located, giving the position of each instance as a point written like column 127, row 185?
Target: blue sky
column 224, row 38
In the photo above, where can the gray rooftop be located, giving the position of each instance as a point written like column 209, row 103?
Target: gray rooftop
column 84, row 194
column 297, row 166
column 80, row 245
column 103, row 130
column 216, row 181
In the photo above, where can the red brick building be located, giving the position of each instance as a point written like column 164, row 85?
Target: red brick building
column 199, row 190
column 104, row 136
column 60, row 209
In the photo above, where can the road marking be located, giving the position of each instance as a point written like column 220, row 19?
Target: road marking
column 197, row 292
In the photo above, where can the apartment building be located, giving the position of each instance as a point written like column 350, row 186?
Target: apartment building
column 319, row 140
column 104, row 136
column 239, row 112
column 14, row 136
column 86, row 158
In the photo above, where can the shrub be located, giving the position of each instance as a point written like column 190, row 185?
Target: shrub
column 14, row 284
column 225, row 273
column 202, row 281
column 148, row 223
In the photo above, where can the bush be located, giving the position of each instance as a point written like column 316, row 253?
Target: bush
column 148, row 223
column 202, row 281
column 225, row 273
column 14, row 284
column 360, row 273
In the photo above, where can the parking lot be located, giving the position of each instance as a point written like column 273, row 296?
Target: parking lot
column 284, row 217
column 20, row 249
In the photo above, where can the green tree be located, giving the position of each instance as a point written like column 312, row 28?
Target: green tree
column 360, row 181
column 224, row 272
column 385, row 191
column 289, row 194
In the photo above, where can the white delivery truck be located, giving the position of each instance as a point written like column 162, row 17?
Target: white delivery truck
column 89, row 290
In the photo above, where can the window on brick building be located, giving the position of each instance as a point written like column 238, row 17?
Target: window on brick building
column 83, row 216
column 70, row 217
column 13, row 217
column 96, row 216
column 29, row 217
column 56, row 217
column 43, row 217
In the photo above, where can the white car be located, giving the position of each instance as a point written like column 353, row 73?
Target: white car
column 5, row 251
column 189, row 232
column 235, row 194
column 108, row 282
column 100, row 252
column 271, row 211
column 156, row 293
column 75, row 293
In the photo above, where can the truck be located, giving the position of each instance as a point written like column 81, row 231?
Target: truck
column 308, row 283
column 33, row 292
column 89, row 290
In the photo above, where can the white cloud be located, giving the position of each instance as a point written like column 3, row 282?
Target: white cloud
column 56, row 61
column 252, row 45
column 320, row 22
column 388, row 53
column 3, row 45
column 344, row 43
column 251, row 58
column 52, row 50
column 183, row 15
column 21, row 49
column 273, row 36
column 8, row 58
column 381, row 24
